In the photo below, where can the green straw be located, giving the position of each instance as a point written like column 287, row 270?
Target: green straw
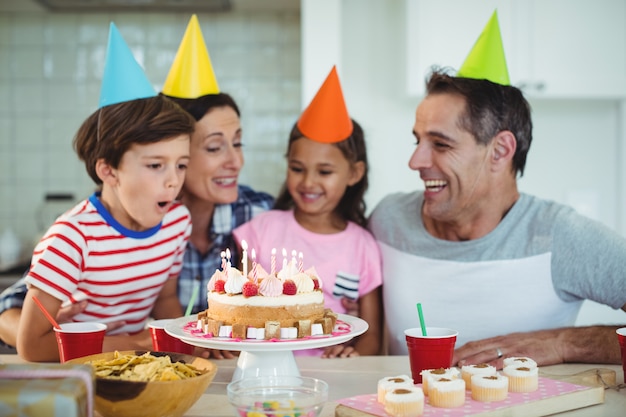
column 192, row 300
column 421, row 315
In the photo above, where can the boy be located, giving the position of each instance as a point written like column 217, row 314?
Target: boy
column 121, row 248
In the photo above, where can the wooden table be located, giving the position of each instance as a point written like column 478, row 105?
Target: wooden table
column 355, row 376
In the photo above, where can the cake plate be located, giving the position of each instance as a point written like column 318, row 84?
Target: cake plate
column 264, row 357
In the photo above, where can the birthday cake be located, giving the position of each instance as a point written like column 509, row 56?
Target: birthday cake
column 260, row 305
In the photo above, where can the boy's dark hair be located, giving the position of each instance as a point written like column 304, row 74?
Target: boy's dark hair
column 110, row 131
column 198, row 107
column 489, row 109
column 352, row 205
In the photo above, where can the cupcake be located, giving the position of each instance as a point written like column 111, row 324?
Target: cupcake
column 428, row 374
column 446, row 393
column 522, row 378
column 467, row 371
column 519, row 361
column 388, row 383
column 406, row 401
column 487, row 388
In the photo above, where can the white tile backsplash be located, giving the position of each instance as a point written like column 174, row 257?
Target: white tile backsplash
column 50, row 71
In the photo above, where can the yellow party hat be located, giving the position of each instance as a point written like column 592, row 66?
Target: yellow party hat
column 486, row 60
column 191, row 74
column 326, row 119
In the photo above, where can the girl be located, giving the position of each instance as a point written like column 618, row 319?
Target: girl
column 320, row 212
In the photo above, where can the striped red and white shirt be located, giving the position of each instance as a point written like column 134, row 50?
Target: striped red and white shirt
column 87, row 255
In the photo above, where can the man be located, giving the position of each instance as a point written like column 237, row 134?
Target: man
column 507, row 270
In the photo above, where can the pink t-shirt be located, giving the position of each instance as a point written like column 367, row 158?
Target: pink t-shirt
column 348, row 262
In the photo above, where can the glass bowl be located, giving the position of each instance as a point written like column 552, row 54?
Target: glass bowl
column 278, row 395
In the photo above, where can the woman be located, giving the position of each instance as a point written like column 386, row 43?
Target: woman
column 211, row 192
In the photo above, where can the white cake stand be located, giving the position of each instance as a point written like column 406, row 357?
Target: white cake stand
column 262, row 357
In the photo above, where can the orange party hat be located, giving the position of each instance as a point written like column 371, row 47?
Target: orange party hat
column 191, row 74
column 326, row 119
column 486, row 60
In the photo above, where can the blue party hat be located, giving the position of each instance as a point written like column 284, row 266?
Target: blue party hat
column 123, row 79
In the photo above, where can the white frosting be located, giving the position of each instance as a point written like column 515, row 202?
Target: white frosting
column 520, row 370
column 288, row 271
column 519, row 361
column 303, row 282
column 449, row 373
column 235, row 282
column 479, row 370
column 446, row 385
column 414, row 394
column 313, row 274
column 490, row 381
column 260, row 301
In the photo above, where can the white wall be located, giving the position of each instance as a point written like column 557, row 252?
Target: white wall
column 50, row 71
column 576, row 156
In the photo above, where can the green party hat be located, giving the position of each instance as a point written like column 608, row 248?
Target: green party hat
column 486, row 60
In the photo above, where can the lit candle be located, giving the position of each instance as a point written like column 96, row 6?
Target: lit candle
column 254, row 273
column 300, row 263
column 273, row 265
column 284, row 259
column 227, row 262
column 293, row 256
column 244, row 256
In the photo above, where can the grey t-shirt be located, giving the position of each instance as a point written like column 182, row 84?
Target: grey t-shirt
column 531, row 272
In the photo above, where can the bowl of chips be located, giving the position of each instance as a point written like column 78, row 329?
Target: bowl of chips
column 142, row 383
column 278, row 395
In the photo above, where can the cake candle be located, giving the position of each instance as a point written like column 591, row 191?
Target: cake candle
column 254, row 272
column 244, row 257
column 300, row 263
column 284, row 259
column 273, row 265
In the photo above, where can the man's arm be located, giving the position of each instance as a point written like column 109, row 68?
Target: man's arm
column 592, row 344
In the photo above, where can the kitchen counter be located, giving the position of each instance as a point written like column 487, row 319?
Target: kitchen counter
column 356, row 376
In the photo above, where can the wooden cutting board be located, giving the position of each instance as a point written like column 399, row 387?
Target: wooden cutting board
column 557, row 393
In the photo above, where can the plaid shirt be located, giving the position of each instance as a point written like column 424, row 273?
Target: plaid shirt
column 198, row 269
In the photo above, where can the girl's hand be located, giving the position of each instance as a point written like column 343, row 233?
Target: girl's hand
column 351, row 306
column 216, row 354
column 340, row 351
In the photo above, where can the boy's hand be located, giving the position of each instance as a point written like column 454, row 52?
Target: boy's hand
column 340, row 351
column 65, row 315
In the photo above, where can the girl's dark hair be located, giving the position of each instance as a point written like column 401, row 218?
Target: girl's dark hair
column 352, row 205
column 110, row 131
column 198, row 107
column 489, row 109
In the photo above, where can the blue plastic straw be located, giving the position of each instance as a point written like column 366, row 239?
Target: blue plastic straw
column 421, row 315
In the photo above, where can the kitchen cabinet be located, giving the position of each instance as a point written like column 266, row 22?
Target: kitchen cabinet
column 554, row 48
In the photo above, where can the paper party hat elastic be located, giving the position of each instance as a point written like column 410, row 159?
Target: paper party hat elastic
column 191, row 74
column 486, row 60
column 326, row 119
column 123, row 78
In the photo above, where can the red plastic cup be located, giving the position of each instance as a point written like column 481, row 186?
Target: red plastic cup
column 621, row 337
column 79, row 339
column 429, row 352
column 164, row 342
